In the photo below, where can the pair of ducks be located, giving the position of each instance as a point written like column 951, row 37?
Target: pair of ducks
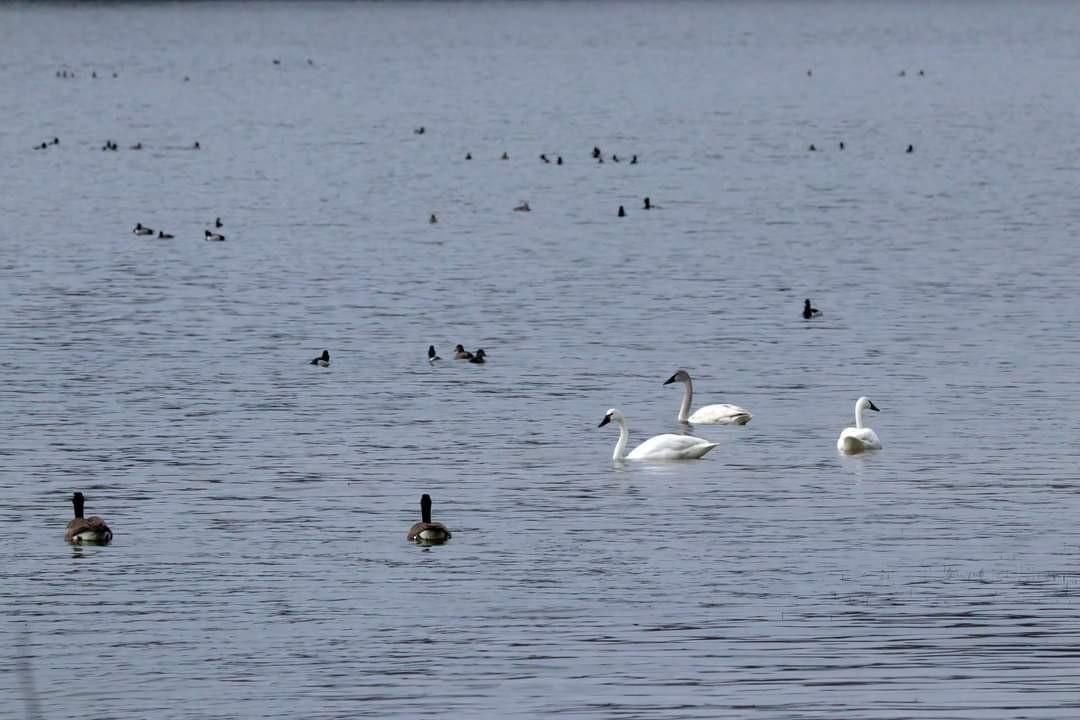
column 647, row 205
column 141, row 229
column 93, row 530
column 460, row 353
column 42, row 146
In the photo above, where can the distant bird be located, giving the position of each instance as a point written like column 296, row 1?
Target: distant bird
column 812, row 148
column 433, row 219
column 276, row 61
column 218, row 223
column 323, row 360
column 86, row 531
column 213, row 236
column 468, row 156
column 600, row 160
column 505, row 157
column 910, row 149
column 478, row 357
column 310, row 61
column 648, row 204
column 431, row 356
column 558, row 160
column 544, row 157
column 196, row 146
column 162, row 235
column 809, row 73
column 460, row 353
column 622, row 211
column 56, row 141
column 42, row 146
column 141, row 230
column 137, row 146
column 633, row 160
column 614, row 157
column 523, row 207
column 420, row 130
column 595, row 152
column 810, row 312
column 93, row 74
column 425, row 531
column 903, row 73
column 921, row 73
column 841, row 144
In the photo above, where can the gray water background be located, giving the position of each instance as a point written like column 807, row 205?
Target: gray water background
column 260, row 505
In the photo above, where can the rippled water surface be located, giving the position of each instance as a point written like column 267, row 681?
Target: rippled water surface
column 260, row 504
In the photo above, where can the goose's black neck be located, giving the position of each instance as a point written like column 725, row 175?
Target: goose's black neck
column 425, row 508
column 77, row 500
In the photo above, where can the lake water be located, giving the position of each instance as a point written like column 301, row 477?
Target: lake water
column 260, row 505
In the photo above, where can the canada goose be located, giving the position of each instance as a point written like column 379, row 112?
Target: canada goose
column 460, row 353
column 196, row 146
column 137, row 146
column 622, row 211
column 910, row 149
column 648, row 204
column 812, row 148
column 633, row 160
column 86, row 531
column 558, row 160
column 468, row 156
column 595, row 152
column 433, row 219
column 216, row 237
column 56, row 141
column 162, row 235
column 523, row 207
column 478, row 357
column 809, row 312
column 841, row 144
column 431, row 355
column 420, row 130
column 218, row 223
column 323, row 360
column 504, row 157
column 425, row 531
column 140, row 230
column 544, row 157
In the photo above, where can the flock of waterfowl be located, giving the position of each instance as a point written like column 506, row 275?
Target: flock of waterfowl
column 659, row 448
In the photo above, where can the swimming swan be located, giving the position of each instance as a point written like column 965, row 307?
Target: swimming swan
column 856, row 439
column 658, row 447
column 720, row 414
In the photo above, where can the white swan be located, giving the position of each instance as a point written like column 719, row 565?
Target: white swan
column 658, row 447
column 720, row 414
column 856, row 439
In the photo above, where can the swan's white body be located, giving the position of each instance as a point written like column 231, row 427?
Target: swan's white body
column 659, row 447
column 719, row 414
column 857, row 439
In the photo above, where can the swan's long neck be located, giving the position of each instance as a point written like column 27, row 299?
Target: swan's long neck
column 620, row 446
column 858, row 416
column 687, row 398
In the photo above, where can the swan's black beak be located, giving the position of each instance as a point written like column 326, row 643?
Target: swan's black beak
column 872, row 406
column 669, row 380
column 605, row 421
